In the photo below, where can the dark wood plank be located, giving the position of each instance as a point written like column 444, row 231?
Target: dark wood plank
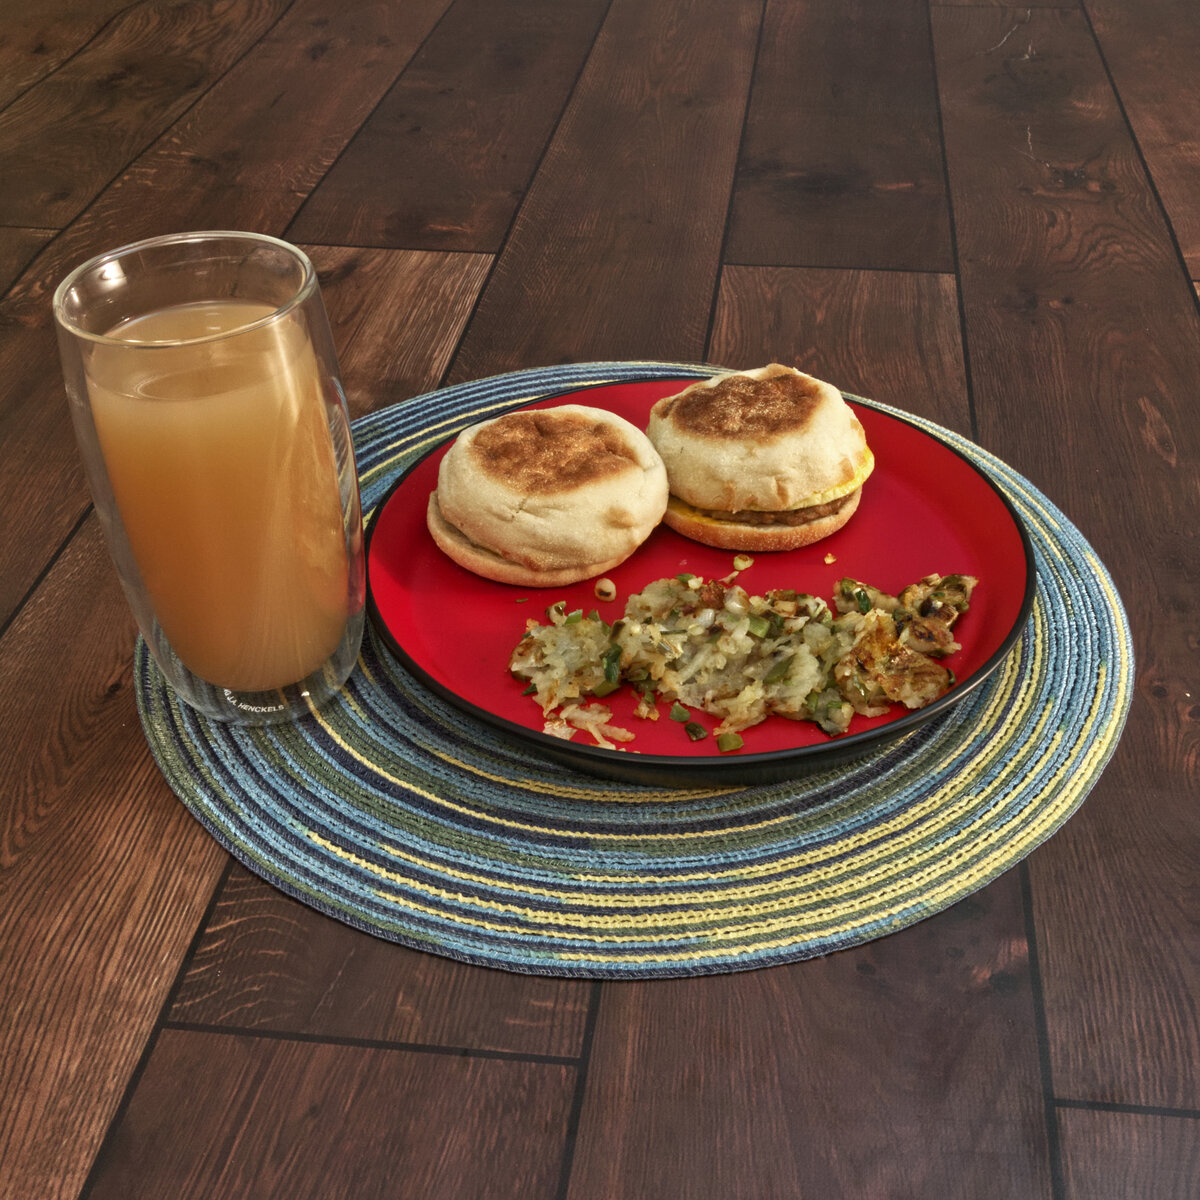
column 907, row 1067
column 247, row 155
column 1116, row 1155
column 1152, row 47
column 66, row 137
column 104, row 875
column 266, row 962
column 888, row 335
column 444, row 160
column 268, row 1117
column 1016, row 13
column 1082, row 331
column 397, row 316
column 39, row 35
column 40, row 460
column 841, row 164
column 225, row 165
column 615, row 250
column 17, row 249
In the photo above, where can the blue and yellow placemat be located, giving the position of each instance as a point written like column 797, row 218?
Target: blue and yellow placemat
column 399, row 815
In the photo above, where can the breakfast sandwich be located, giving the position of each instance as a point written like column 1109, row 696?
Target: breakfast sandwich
column 547, row 497
column 767, row 459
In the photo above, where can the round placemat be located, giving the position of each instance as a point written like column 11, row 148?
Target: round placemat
column 400, row 815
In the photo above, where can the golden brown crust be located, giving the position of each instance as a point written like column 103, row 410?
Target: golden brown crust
column 543, row 452
column 772, row 403
column 734, row 535
column 767, row 439
column 554, row 515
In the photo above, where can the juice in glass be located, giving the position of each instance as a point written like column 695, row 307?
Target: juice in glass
column 222, row 466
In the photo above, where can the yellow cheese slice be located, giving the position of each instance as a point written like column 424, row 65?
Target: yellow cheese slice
column 833, row 493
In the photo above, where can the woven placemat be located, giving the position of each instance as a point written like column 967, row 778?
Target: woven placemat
column 397, row 814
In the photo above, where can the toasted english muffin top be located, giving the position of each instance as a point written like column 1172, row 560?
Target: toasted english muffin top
column 765, row 407
column 540, row 453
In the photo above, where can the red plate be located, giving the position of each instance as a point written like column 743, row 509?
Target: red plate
column 925, row 509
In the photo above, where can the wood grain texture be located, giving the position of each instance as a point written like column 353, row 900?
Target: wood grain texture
column 444, row 160
column 268, row 1117
column 264, row 136
column 906, row 1067
column 243, row 158
column 266, row 962
column 615, row 250
column 841, row 163
column 1152, row 48
column 396, row 317
column 1015, row 11
column 916, row 1066
column 39, row 460
column 39, row 35
column 247, row 154
column 1080, row 318
column 888, row 335
column 97, row 917
column 17, row 249
column 66, row 137
column 1118, row 1155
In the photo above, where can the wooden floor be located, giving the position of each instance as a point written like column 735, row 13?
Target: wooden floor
column 989, row 216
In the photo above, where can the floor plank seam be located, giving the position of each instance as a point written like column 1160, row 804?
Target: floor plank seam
column 129, row 162
column 1151, row 184
column 1136, row 1110
column 733, row 185
column 139, row 1069
column 575, row 1116
column 362, row 1043
column 498, row 253
column 387, row 91
column 1042, row 1031
column 19, row 607
column 963, row 343
column 841, row 266
column 117, row 16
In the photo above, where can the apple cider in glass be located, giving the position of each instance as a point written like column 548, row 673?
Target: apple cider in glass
column 214, row 436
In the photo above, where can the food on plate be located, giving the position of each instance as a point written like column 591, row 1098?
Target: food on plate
column 741, row 658
column 546, row 497
column 768, row 459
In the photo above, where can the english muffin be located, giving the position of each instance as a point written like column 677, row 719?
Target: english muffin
column 767, row 459
column 546, row 497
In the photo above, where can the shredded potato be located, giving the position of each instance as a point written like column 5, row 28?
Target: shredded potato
column 741, row 658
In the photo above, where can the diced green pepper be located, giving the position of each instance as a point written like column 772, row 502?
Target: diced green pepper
column 695, row 731
column 779, row 671
column 679, row 713
column 759, row 626
column 606, row 688
column 612, row 664
column 729, row 741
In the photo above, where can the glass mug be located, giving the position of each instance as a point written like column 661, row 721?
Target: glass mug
column 205, row 395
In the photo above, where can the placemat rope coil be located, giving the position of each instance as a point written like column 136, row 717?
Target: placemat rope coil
column 397, row 814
